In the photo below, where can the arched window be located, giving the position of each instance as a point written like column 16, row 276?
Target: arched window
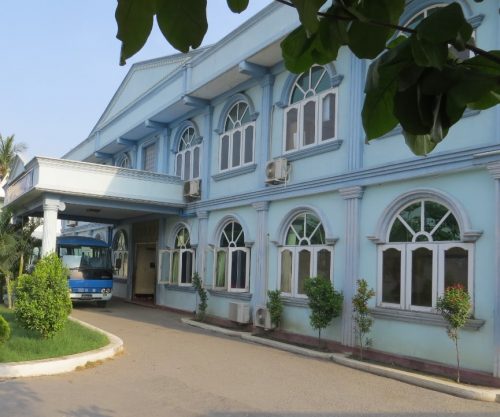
column 187, row 160
column 232, row 260
column 177, row 265
column 415, row 20
column 124, row 161
column 120, row 254
column 423, row 256
column 304, row 254
column 310, row 118
column 237, row 140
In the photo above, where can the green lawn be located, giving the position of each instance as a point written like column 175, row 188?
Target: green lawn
column 25, row 345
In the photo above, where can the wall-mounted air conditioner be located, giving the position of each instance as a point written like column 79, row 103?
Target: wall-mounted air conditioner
column 277, row 171
column 192, row 189
column 262, row 318
column 239, row 312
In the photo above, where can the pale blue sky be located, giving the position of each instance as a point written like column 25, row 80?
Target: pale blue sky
column 59, row 66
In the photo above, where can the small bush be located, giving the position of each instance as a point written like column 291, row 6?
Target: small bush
column 362, row 320
column 275, row 306
column 325, row 303
column 42, row 299
column 4, row 330
column 202, row 295
column 455, row 307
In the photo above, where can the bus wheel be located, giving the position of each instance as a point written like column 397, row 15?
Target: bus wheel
column 101, row 304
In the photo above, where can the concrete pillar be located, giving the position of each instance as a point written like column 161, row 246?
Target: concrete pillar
column 206, row 155
column 201, row 264
column 51, row 206
column 356, row 135
column 263, row 145
column 494, row 169
column 352, row 197
column 260, row 254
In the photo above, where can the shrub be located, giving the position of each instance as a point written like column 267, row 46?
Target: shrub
column 202, row 294
column 42, row 299
column 325, row 303
column 455, row 307
column 275, row 306
column 362, row 320
column 4, row 330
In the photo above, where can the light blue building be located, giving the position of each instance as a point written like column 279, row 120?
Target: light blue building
column 222, row 162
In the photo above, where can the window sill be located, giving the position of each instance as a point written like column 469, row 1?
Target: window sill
column 432, row 319
column 328, row 146
column 234, row 172
column 179, row 288
column 295, row 302
column 244, row 296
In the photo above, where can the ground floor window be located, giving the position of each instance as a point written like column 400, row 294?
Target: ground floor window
column 304, row 255
column 232, row 260
column 178, row 265
column 120, row 254
column 423, row 257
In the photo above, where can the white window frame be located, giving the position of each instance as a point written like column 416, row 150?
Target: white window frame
column 438, row 251
column 183, row 155
column 149, row 145
column 214, row 283
column 229, row 266
column 299, row 105
column 230, row 134
column 170, row 279
column 295, row 249
column 116, row 254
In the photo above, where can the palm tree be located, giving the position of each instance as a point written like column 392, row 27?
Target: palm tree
column 8, row 151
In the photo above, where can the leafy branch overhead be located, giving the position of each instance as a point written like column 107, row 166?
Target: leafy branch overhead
column 417, row 77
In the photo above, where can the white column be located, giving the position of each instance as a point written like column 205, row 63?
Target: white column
column 352, row 197
column 494, row 169
column 50, row 208
column 259, row 272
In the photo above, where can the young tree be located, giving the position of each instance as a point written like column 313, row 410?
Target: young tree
column 362, row 319
column 325, row 303
column 416, row 79
column 202, row 295
column 455, row 307
column 8, row 151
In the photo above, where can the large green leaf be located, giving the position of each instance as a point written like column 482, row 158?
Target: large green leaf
column 183, row 23
column 429, row 54
column 301, row 51
column 419, row 144
column 414, row 110
column 308, row 13
column 446, row 24
column 135, row 21
column 237, row 6
column 367, row 40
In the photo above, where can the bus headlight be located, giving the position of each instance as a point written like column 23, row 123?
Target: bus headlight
column 106, row 291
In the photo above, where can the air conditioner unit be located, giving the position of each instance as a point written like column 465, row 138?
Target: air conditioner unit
column 71, row 223
column 277, row 171
column 262, row 318
column 192, row 189
column 239, row 312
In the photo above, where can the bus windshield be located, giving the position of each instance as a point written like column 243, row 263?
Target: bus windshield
column 86, row 262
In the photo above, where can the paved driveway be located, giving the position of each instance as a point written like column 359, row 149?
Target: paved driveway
column 169, row 369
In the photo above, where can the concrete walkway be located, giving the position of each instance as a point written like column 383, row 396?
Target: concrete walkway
column 171, row 369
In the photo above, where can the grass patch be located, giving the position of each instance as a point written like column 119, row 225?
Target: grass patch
column 25, row 345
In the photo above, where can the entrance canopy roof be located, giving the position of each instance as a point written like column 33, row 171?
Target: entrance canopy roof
column 91, row 192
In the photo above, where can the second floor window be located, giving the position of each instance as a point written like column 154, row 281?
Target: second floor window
column 187, row 160
column 310, row 118
column 149, row 158
column 237, row 141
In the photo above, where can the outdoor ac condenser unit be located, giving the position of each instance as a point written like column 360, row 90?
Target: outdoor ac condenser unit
column 262, row 318
column 239, row 312
column 192, row 189
column 277, row 171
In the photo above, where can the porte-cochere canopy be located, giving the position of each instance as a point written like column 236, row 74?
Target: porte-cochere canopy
column 91, row 192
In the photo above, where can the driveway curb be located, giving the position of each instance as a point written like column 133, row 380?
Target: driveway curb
column 66, row 363
column 424, row 381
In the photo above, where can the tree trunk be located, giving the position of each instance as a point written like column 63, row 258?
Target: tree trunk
column 458, row 359
column 21, row 264
column 9, row 292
